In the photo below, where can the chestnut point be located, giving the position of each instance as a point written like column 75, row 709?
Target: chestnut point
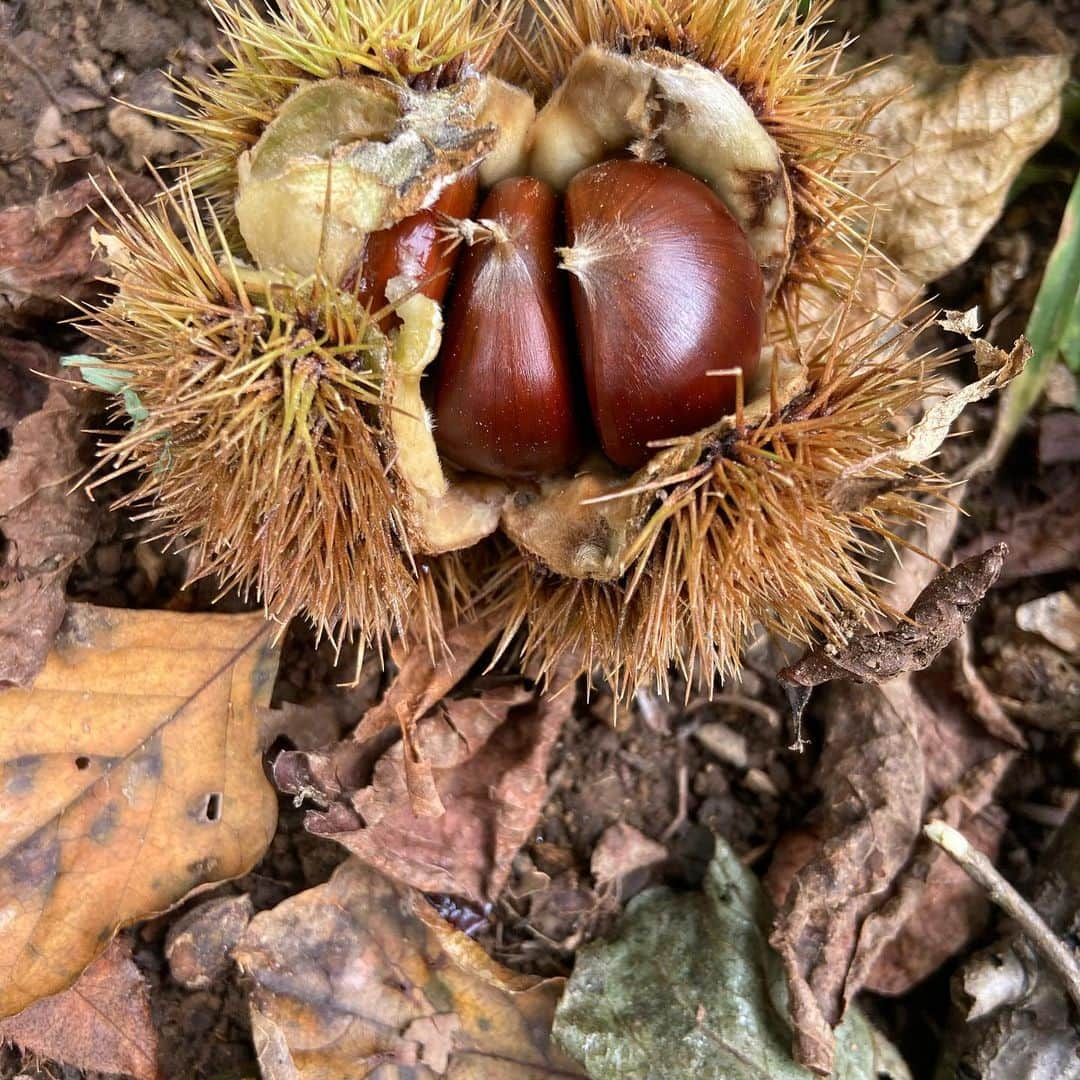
column 666, row 293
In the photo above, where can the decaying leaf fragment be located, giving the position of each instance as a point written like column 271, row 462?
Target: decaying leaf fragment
column 958, row 137
column 688, row 981
column 100, row 1024
column 480, row 764
column 130, row 774
column 937, row 617
column 46, row 252
column 45, row 525
column 854, row 913
column 359, row 977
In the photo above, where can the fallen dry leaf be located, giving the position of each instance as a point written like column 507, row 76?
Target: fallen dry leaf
column 130, row 774
column 487, row 759
column 943, row 913
column 622, row 850
column 199, row 943
column 1042, row 539
column 958, row 136
column 686, row 988
column 936, row 618
column 359, row 977
column 101, row 1023
column 858, row 889
column 46, row 253
column 873, row 786
column 44, row 525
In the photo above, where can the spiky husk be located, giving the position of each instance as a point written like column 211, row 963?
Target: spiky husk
column 762, row 532
column 754, row 533
column 777, row 56
column 254, row 437
column 270, row 55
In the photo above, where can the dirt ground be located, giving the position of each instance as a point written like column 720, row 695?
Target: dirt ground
column 66, row 68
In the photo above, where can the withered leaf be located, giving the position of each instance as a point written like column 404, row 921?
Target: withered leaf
column 47, row 253
column 360, row 977
column 198, row 944
column 44, row 524
column 688, row 988
column 937, row 617
column 130, row 774
column 101, row 1023
column 862, row 882
column 958, row 137
column 487, row 758
column 873, row 785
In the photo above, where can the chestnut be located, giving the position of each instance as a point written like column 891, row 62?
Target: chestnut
column 414, row 248
column 505, row 400
column 665, row 288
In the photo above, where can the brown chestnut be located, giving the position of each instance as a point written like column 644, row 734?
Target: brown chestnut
column 415, row 248
column 505, row 400
column 665, row 288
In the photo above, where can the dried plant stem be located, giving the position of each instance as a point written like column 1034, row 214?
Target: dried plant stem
column 981, row 870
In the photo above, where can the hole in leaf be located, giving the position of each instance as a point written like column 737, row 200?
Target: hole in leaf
column 82, row 762
column 5, row 442
column 213, row 806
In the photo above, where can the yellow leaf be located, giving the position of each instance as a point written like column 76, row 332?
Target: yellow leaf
column 958, row 137
column 130, row 774
column 360, row 977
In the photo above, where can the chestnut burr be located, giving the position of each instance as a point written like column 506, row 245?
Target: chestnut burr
column 505, row 402
column 665, row 288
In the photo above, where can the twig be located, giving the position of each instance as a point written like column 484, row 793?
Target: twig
column 981, row 870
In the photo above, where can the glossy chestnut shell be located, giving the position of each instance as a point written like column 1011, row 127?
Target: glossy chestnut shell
column 505, row 400
column 665, row 289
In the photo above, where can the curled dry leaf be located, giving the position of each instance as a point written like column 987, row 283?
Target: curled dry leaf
column 938, row 617
column 130, row 774
column 688, row 980
column 873, row 785
column 864, row 895
column 958, row 137
column 198, row 944
column 44, row 525
column 101, row 1024
column 486, row 757
column 359, row 977
column 46, row 252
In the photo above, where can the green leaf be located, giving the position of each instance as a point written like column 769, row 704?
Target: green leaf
column 112, row 380
column 1054, row 326
column 689, row 988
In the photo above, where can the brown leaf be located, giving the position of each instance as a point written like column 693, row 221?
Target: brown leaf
column 130, row 774
column 945, row 911
column 47, row 254
column 873, row 788
column 44, row 525
column 101, row 1023
column 622, row 850
column 198, row 945
column 937, row 617
column 1042, row 539
column 959, row 136
column 862, row 878
column 360, row 977
column 487, row 758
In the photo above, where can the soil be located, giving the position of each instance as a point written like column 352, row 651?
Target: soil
column 67, row 66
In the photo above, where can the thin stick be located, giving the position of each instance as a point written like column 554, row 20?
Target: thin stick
column 981, row 870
